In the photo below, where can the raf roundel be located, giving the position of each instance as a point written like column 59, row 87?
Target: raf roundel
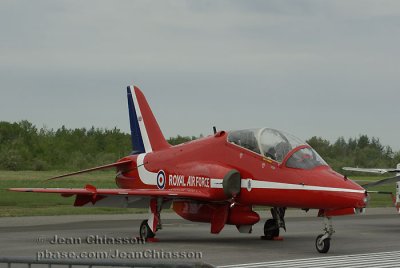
column 161, row 179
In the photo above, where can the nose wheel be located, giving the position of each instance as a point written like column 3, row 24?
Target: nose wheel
column 323, row 241
column 322, row 245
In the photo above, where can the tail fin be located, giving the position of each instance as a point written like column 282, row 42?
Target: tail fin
column 145, row 133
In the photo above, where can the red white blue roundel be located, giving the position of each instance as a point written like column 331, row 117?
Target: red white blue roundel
column 161, row 179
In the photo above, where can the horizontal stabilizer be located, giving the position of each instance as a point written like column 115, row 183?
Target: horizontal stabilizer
column 120, row 165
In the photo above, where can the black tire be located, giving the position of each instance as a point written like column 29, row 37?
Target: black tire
column 145, row 231
column 322, row 246
column 271, row 229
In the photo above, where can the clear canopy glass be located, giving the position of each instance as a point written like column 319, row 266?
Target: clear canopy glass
column 305, row 158
column 273, row 144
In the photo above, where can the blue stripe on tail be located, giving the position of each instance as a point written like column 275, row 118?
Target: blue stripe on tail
column 136, row 135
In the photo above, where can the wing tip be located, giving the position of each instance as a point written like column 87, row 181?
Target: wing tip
column 19, row 190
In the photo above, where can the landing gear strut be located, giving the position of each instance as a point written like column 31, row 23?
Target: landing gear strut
column 272, row 226
column 323, row 241
column 148, row 228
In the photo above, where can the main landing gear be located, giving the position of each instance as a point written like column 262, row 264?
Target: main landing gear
column 145, row 231
column 148, row 228
column 272, row 226
column 323, row 241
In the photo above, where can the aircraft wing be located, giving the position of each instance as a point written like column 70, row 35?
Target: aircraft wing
column 91, row 196
column 384, row 181
column 117, row 198
column 90, row 190
column 372, row 170
column 377, row 171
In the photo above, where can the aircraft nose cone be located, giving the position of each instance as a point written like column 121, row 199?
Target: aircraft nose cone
column 362, row 201
column 352, row 194
column 359, row 197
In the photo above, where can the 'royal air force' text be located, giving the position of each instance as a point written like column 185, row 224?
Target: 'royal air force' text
column 190, row 181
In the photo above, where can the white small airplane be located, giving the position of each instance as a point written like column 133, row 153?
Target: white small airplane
column 395, row 179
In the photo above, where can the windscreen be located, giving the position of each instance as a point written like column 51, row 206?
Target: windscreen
column 306, row 158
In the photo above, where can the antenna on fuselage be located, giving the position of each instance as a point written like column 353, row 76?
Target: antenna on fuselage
column 214, row 129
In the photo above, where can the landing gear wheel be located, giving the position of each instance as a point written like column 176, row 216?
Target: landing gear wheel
column 322, row 245
column 271, row 229
column 145, row 231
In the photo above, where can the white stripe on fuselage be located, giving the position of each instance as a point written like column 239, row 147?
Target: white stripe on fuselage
column 147, row 177
column 142, row 126
column 216, row 183
column 258, row 184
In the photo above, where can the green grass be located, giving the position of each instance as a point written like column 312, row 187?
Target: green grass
column 377, row 200
column 30, row 204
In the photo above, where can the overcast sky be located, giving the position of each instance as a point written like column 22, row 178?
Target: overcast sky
column 311, row 68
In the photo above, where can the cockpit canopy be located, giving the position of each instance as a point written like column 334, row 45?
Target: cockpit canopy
column 276, row 145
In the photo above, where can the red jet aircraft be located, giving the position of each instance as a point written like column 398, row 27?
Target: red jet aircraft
column 220, row 178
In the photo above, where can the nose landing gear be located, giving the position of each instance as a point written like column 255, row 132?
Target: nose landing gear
column 323, row 241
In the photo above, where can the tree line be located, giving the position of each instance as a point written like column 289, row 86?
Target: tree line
column 361, row 151
column 23, row 146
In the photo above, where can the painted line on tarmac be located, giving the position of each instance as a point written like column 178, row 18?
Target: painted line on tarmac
column 380, row 259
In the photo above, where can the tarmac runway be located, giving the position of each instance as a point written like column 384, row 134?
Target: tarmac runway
column 371, row 238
